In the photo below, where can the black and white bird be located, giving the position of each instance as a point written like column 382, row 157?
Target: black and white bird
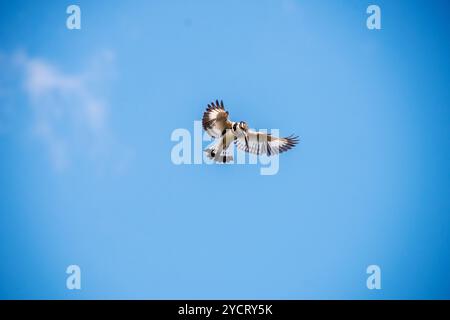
column 218, row 126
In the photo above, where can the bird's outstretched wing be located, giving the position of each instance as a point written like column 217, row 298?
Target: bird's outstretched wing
column 215, row 119
column 263, row 143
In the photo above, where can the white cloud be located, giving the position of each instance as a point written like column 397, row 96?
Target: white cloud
column 70, row 116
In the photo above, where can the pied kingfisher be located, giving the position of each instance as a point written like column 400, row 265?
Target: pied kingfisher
column 218, row 126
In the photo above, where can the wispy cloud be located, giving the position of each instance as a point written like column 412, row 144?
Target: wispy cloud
column 70, row 117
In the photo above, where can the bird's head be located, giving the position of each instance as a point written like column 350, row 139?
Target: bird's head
column 243, row 126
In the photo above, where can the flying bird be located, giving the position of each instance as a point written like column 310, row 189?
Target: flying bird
column 216, row 123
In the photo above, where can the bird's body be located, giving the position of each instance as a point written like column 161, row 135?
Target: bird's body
column 216, row 123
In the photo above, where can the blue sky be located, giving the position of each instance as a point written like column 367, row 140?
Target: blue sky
column 86, row 175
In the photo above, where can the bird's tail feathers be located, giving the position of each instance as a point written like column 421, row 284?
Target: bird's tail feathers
column 221, row 157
